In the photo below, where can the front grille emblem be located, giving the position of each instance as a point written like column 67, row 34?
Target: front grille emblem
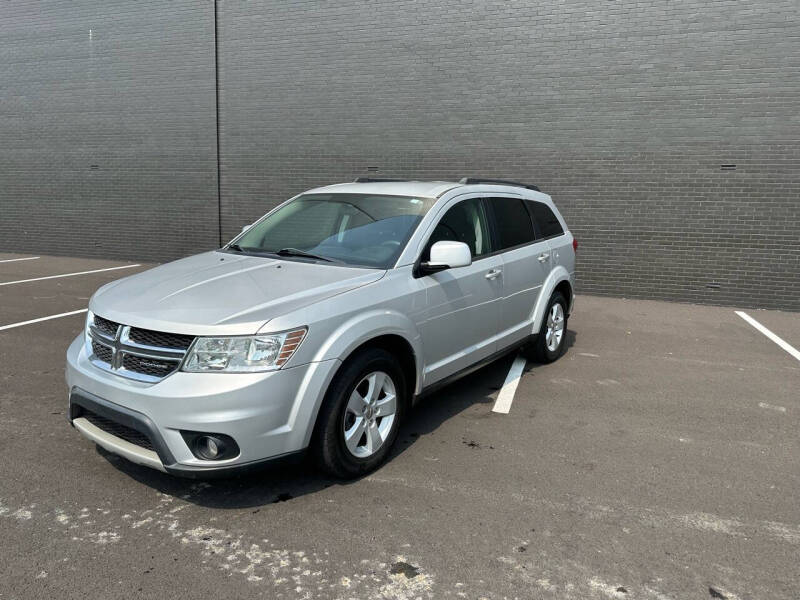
column 116, row 354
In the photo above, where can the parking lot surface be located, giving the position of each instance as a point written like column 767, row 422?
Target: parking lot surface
column 657, row 459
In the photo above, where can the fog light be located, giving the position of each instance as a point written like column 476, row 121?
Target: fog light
column 211, row 446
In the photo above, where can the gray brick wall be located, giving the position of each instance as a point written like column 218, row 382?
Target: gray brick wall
column 107, row 128
column 623, row 111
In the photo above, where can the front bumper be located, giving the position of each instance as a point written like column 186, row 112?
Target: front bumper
column 269, row 415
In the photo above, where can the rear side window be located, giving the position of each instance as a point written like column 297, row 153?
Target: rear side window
column 545, row 220
column 514, row 226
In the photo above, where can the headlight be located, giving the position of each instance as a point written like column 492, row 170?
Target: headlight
column 242, row 354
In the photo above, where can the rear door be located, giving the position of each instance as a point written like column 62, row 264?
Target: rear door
column 526, row 264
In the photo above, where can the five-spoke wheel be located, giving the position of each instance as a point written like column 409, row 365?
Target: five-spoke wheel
column 370, row 414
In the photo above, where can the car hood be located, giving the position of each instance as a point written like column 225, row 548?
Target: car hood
column 221, row 293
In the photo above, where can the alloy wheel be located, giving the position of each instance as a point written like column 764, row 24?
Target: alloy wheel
column 555, row 327
column 370, row 414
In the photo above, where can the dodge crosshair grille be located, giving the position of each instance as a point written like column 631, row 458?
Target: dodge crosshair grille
column 135, row 353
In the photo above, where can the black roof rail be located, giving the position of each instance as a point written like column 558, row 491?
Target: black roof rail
column 376, row 180
column 474, row 180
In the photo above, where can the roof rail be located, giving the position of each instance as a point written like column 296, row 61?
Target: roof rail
column 474, row 180
column 376, row 180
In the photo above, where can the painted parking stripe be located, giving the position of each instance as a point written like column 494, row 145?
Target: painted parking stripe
column 68, row 274
column 16, row 259
column 40, row 319
column 774, row 407
column 783, row 344
column 506, row 396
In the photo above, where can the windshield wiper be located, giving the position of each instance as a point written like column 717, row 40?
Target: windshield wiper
column 234, row 247
column 303, row 253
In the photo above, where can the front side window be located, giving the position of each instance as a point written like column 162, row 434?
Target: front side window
column 545, row 219
column 514, row 226
column 465, row 222
column 354, row 229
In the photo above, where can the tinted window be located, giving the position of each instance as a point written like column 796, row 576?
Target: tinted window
column 546, row 221
column 464, row 222
column 513, row 222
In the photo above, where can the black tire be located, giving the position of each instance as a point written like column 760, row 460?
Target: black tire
column 537, row 350
column 328, row 446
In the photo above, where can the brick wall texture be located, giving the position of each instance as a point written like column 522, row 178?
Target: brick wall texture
column 632, row 115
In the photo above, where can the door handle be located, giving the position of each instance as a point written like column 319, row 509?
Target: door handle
column 543, row 257
column 493, row 274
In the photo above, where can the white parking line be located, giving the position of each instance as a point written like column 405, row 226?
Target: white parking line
column 68, row 274
column 785, row 345
column 39, row 320
column 772, row 407
column 16, row 259
column 506, row 396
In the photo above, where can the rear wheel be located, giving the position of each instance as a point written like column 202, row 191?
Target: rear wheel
column 360, row 415
column 549, row 344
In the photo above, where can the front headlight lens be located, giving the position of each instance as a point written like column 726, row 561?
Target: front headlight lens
column 243, row 354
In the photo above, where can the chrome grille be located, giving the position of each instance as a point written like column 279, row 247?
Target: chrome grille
column 102, row 352
column 135, row 353
column 106, row 327
column 146, row 337
column 147, row 366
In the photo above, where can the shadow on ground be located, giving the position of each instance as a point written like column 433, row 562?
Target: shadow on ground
column 296, row 478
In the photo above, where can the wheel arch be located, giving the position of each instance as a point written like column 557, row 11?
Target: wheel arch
column 400, row 348
column 390, row 330
column 558, row 280
column 565, row 287
column 387, row 328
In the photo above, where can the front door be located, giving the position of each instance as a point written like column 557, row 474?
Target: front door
column 460, row 322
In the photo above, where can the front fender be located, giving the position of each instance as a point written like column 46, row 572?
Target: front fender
column 556, row 276
column 363, row 327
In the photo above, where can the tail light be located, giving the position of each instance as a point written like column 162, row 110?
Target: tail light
column 574, row 245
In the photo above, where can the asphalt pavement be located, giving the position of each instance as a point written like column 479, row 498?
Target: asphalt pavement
column 657, row 459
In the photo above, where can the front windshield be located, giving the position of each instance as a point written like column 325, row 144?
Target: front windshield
column 355, row 229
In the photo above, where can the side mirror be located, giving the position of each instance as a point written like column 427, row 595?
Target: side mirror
column 447, row 255
column 246, row 227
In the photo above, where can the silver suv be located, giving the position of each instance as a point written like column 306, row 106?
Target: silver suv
column 320, row 325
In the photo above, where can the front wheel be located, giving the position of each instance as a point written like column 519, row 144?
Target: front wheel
column 550, row 343
column 361, row 414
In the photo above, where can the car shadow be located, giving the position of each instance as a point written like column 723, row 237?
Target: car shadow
column 294, row 478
